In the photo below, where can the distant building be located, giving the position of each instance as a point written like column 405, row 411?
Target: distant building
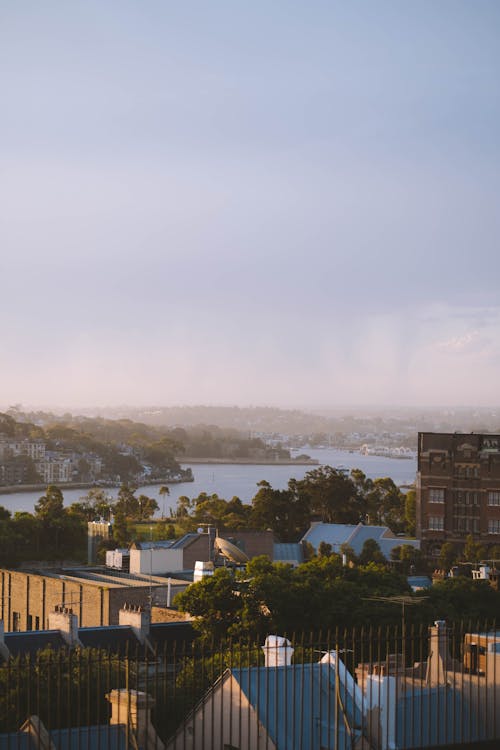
column 354, row 535
column 458, row 489
column 54, row 469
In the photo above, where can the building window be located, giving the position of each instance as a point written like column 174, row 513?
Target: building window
column 494, row 497
column 436, row 523
column 494, row 526
column 436, row 495
column 29, row 622
column 37, row 622
column 16, row 622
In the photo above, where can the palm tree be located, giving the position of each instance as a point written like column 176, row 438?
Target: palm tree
column 162, row 492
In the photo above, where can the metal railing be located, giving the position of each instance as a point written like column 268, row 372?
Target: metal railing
column 374, row 688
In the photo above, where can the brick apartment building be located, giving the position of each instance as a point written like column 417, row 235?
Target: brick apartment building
column 458, row 489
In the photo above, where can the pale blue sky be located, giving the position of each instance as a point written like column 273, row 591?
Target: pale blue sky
column 257, row 203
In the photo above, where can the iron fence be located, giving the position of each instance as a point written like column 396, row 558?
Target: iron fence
column 367, row 688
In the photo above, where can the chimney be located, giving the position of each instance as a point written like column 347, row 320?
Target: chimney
column 4, row 651
column 278, row 651
column 133, row 708
column 63, row 619
column 138, row 618
column 438, row 654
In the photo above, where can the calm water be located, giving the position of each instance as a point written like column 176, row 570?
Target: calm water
column 241, row 480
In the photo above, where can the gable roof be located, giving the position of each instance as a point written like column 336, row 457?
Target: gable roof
column 355, row 536
column 296, row 704
column 332, row 533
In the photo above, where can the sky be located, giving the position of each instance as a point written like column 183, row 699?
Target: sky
column 268, row 203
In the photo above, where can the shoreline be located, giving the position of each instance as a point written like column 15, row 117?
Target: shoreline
column 248, row 461
column 20, row 488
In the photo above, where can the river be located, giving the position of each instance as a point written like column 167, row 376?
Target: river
column 228, row 480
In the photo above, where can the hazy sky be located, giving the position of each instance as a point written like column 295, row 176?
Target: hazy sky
column 272, row 202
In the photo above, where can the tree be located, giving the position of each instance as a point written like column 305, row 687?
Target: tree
column 286, row 512
column 325, row 549
column 147, row 507
column 410, row 557
column 371, row 552
column 386, row 504
column 93, row 506
column 474, row 551
column 127, row 504
column 213, row 602
column 447, row 556
column 164, row 490
column 331, row 494
column 50, row 506
column 411, row 512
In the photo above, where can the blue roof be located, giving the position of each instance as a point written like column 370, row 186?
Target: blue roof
column 435, row 716
column 332, row 533
column 419, row 582
column 288, row 552
column 104, row 737
column 337, row 534
column 296, row 705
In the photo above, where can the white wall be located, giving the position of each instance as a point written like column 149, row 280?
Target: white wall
column 160, row 560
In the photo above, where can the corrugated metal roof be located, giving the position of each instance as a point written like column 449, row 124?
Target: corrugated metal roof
column 184, row 540
column 435, row 716
column 332, row 533
column 296, row 705
column 337, row 534
column 287, row 552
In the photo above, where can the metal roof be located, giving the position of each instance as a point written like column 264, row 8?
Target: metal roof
column 288, row 552
column 332, row 533
column 355, row 536
column 116, row 638
column 32, row 641
column 296, row 705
